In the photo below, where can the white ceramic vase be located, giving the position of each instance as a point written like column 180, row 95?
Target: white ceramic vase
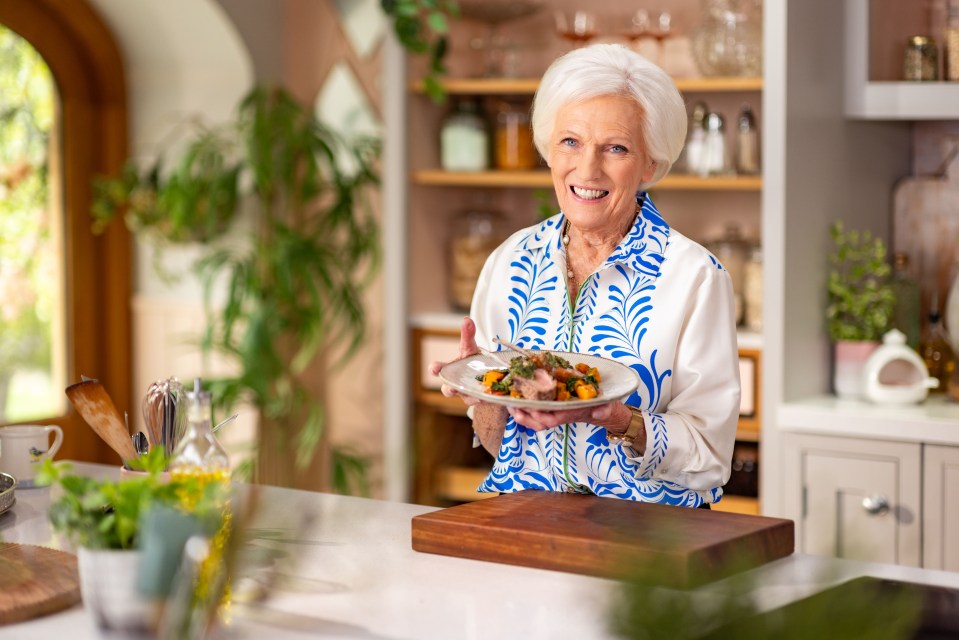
column 850, row 362
column 108, row 585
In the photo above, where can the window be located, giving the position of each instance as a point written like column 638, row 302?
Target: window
column 78, row 320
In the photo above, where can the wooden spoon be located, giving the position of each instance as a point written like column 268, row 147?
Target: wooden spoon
column 95, row 406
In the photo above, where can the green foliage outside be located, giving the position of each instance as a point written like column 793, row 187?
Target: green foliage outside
column 861, row 301
column 27, row 102
column 294, row 283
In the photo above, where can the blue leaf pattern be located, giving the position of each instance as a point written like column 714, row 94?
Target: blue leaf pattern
column 610, row 319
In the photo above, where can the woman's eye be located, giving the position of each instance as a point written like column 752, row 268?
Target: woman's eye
column 618, row 148
column 568, row 142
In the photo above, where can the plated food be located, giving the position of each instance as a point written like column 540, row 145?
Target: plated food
column 543, row 376
column 550, row 380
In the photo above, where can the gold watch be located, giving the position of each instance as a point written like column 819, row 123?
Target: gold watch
column 636, row 424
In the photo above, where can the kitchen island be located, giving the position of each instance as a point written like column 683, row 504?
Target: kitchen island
column 353, row 574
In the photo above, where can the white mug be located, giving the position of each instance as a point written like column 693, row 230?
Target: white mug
column 22, row 447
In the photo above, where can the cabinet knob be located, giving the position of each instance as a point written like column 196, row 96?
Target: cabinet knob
column 875, row 505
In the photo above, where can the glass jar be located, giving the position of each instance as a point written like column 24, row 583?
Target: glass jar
column 514, row 138
column 732, row 250
column 475, row 233
column 729, row 40
column 464, row 139
column 715, row 153
column 753, row 290
column 921, row 60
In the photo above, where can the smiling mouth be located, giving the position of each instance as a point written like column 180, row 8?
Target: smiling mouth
column 588, row 194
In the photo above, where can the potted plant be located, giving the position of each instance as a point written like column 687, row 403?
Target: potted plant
column 109, row 522
column 293, row 282
column 861, row 303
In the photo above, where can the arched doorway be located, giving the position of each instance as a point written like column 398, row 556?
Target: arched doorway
column 91, row 139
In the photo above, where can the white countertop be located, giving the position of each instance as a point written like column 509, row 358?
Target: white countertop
column 355, row 575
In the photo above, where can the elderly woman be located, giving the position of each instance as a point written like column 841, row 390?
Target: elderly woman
column 608, row 276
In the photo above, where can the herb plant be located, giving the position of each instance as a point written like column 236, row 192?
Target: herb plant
column 293, row 284
column 861, row 300
column 107, row 514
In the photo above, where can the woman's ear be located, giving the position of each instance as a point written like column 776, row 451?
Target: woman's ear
column 650, row 170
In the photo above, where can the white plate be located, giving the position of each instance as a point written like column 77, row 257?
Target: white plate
column 618, row 380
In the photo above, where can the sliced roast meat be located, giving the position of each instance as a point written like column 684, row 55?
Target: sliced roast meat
column 541, row 386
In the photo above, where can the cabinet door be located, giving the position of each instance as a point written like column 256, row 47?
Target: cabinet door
column 940, row 522
column 855, row 498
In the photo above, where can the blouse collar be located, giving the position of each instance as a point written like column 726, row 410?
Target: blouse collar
column 641, row 250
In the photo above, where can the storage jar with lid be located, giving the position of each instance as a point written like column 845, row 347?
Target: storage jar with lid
column 732, row 251
column 464, row 139
column 476, row 232
column 514, row 137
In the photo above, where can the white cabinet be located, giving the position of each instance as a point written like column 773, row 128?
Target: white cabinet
column 940, row 538
column 855, row 498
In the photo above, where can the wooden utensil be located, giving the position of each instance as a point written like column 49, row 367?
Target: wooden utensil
column 510, row 345
column 95, row 406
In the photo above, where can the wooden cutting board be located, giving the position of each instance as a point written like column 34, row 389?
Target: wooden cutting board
column 605, row 537
column 926, row 228
column 35, row 581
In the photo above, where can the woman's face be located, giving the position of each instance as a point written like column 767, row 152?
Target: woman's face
column 598, row 160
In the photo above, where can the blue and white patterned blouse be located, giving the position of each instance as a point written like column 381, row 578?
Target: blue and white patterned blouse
column 660, row 304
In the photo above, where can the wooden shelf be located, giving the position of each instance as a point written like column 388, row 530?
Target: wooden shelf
column 459, row 484
column 541, row 179
column 738, row 504
column 528, row 86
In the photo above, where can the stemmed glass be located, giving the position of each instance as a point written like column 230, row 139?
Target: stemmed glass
column 494, row 13
column 651, row 24
column 578, row 27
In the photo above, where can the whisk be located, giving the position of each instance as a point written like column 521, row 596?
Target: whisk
column 164, row 413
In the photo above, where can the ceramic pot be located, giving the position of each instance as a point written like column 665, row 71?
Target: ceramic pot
column 850, row 362
column 895, row 374
column 108, row 585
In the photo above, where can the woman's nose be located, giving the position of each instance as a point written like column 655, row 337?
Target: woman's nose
column 590, row 165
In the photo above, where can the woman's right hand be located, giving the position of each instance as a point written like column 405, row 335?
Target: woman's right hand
column 468, row 348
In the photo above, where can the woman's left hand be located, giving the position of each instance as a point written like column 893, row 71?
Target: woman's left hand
column 541, row 420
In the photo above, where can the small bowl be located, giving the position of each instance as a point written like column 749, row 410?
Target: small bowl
column 8, row 485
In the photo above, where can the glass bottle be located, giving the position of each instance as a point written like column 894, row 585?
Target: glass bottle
column 514, row 138
column 950, row 47
column 747, row 143
column 715, row 159
column 936, row 351
column 198, row 452
column 692, row 157
column 906, row 314
column 464, row 139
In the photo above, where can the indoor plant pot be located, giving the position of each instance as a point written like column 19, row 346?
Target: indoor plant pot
column 860, row 305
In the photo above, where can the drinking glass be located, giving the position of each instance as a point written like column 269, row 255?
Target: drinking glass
column 577, row 27
column 651, row 24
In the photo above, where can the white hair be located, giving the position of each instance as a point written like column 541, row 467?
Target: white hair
column 612, row 69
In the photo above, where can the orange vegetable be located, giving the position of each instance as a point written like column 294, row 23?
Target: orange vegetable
column 593, row 371
column 492, row 376
column 582, row 368
column 585, row 391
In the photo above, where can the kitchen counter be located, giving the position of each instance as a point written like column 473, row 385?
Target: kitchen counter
column 355, row 575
